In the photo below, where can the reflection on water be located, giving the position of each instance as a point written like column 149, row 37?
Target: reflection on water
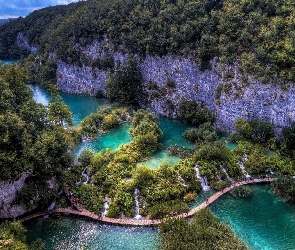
column 73, row 234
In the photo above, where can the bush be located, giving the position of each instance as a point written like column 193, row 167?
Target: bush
column 285, row 186
column 204, row 133
column 241, row 191
column 168, row 208
column 193, row 113
column 190, row 197
column 181, row 152
column 124, row 85
column 205, row 231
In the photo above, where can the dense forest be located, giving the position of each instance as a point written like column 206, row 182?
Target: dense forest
column 256, row 35
column 32, row 138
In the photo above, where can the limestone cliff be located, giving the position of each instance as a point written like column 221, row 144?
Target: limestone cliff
column 8, row 193
column 237, row 99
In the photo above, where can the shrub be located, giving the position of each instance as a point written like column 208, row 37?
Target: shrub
column 193, row 113
column 124, row 85
column 241, row 191
column 181, row 152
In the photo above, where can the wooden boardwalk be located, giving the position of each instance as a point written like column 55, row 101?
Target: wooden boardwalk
column 142, row 222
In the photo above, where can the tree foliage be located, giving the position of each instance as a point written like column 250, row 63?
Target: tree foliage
column 256, row 34
column 193, row 113
column 204, row 232
column 124, row 85
column 13, row 237
column 30, row 141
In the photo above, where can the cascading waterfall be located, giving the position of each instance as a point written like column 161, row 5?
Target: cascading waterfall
column 203, row 180
column 105, row 209
column 136, row 195
column 52, row 205
column 224, row 170
column 181, row 180
column 85, row 175
column 241, row 164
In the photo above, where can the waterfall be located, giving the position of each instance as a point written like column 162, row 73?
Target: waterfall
column 241, row 164
column 181, row 180
column 224, row 170
column 85, row 175
column 52, row 205
column 203, row 180
column 218, row 177
column 105, row 208
column 136, row 195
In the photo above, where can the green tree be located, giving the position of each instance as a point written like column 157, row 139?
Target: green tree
column 59, row 112
column 13, row 237
column 289, row 137
column 124, row 85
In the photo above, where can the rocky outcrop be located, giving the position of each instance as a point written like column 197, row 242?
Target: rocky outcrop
column 22, row 42
column 8, row 193
column 80, row 80
column 254, row 100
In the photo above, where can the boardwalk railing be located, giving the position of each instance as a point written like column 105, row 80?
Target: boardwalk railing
column 142, row 222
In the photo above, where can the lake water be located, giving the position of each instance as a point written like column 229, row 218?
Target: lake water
column 69, row 233
column 80, row 106
column 263, row 222
column 8, row 61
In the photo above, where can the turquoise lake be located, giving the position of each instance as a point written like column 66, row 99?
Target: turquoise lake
column 263, row 222
column 8, row 61
column 73, row 233
column 81, row 106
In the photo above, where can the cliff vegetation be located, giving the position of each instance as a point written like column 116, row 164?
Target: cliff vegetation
column 255, row 35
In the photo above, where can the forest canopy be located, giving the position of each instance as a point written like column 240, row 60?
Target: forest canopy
column 258, row 35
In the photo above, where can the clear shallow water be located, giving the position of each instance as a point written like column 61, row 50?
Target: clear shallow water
column 112, row 139
column 264, row 222
column 231, row 145
column 72, row 234
column 172, row 134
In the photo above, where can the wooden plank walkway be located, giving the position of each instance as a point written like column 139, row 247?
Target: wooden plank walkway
column 142, row 222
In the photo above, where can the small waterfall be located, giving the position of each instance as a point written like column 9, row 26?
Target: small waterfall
column 224, row 170
column 52, row 205
column 218, row 177
column 241, row 164
column 136, row 195
column 181, row 180
column 86, row 177
column 105, row 209
column 203, row 180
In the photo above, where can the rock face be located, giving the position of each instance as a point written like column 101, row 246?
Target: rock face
column 8, row 193
column 254, row 100
column 75, row 80
column 22, row 42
